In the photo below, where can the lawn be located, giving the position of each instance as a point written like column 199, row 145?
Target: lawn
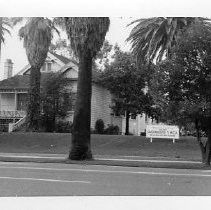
column 184, row 148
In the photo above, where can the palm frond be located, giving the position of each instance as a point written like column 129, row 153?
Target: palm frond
column 86, row 33
column 156, row 36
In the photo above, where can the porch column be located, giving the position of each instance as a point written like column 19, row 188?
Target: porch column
column 15, row 101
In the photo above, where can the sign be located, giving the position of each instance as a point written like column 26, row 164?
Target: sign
column 162, row 131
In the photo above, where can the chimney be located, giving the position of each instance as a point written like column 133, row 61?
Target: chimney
column 8, row 68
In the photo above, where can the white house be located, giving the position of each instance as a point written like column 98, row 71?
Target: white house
column 14, row 89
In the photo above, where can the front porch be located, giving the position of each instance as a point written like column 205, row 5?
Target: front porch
column 13, row 103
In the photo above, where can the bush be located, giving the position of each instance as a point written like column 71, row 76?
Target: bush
column 3, row 128
column 63, row 127
column 112, row 130
column 143, row 133
column 99, row 126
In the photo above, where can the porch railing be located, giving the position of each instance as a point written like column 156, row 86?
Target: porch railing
column 12, row 113
column 14, row 126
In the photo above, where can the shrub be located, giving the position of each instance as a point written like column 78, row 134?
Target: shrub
column 99, row 126
column 143, row 133
column 3, row 128
column 63, row 127
column 112, row 130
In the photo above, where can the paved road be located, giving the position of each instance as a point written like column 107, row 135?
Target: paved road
column 50, row 179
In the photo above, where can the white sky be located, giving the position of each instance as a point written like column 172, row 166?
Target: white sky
column 13, row 47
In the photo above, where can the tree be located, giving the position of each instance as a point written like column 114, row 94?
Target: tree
column 188, row 84
column 37, row 35
column 153, row 38
column 60, row 44
column 86, row 38
column 5, row 25
column 56, row 99
column 102, row 56
column 127, row 83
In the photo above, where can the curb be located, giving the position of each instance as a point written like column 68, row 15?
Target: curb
column 107, row 162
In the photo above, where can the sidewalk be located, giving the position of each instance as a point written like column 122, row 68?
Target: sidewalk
column 127, row 161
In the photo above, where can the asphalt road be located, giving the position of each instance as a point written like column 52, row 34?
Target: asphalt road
column 49, row 179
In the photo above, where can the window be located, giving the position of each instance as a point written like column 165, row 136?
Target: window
column 48, row 66
column 43, row 67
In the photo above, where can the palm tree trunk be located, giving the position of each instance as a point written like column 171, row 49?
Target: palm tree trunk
column 33, row 109
column 80, row 145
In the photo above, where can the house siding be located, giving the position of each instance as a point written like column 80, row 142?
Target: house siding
column 100, row 108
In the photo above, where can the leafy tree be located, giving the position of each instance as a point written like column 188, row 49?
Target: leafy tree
column 86, row 38
column 103, row 55
column 187, row 84
column 37, row 35
column 153, row 38
column 60, row 44
column 56, row 99
column 127, row 83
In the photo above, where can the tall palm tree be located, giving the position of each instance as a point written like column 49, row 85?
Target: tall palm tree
column 5, row 25
column 37, row 35
column 153, row 38
column 86, row 35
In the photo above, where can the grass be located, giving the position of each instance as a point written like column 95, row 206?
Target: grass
column 185, row 148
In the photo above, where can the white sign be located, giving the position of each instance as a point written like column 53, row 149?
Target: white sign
column 162, row 131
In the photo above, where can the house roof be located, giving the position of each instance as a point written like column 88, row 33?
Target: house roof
column 20, row 81
column 65, row 60
column 62, row 59
column 95, row 74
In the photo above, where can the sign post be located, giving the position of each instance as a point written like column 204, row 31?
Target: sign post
column 162, row 131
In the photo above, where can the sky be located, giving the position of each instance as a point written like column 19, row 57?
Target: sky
column 13, row 47
column 121, row 12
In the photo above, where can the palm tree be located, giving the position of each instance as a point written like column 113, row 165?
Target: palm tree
column 5, row 23
column 153, row 38
column 86, row 35
column 37, row 35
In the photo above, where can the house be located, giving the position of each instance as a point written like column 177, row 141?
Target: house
column 14, row 90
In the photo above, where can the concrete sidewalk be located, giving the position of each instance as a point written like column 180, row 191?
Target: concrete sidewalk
column 127, row 161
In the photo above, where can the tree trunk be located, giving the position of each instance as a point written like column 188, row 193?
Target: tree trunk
column 33, row 109
column 127, row 122
column 1, row 22
column 208, row 145
column 81, row 144
column 201, row 145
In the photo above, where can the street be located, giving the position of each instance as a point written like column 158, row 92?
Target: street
column 53, row 179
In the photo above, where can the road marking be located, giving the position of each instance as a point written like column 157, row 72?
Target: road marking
column 46, row 180
column 109, row 171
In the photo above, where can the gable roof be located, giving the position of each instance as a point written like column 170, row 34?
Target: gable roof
column 65, row 60
column 95, row 74
column 60, row 59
